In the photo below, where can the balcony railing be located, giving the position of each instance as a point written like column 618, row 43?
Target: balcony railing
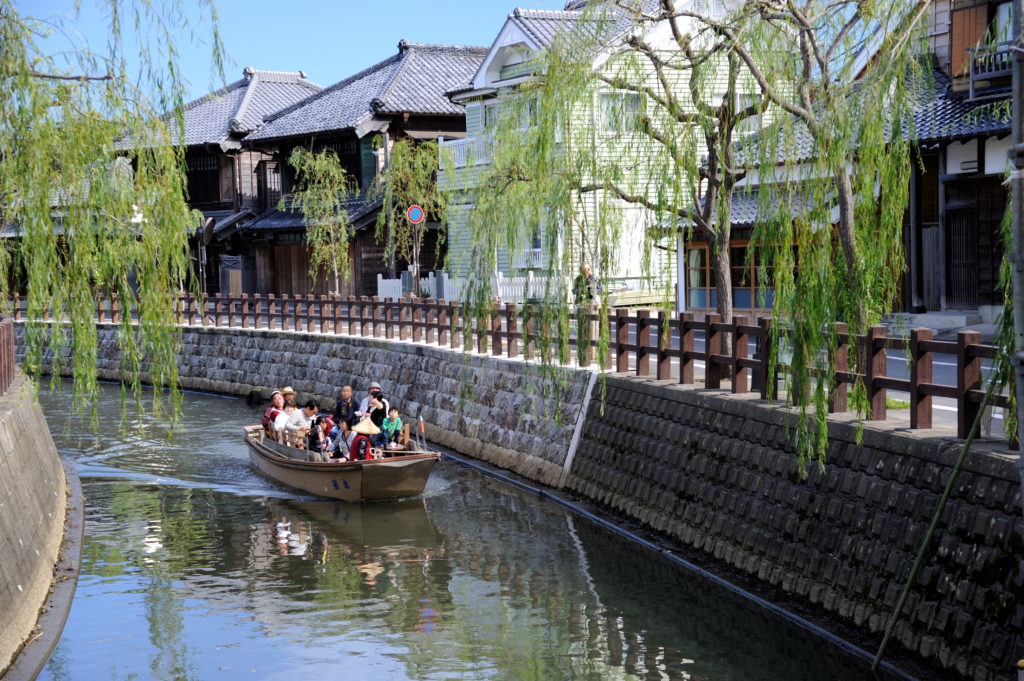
column 990, row 63
column 467, row 152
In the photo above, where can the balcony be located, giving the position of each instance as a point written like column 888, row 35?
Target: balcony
column 465, row 152
column 991, row 68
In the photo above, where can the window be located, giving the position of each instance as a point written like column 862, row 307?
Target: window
column 528, row 114
column 203, row 178
column 269, row 184
column 751, row 281
column 621, row 111
column 491, row 116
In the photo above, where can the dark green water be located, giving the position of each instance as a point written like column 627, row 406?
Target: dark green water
column 195, row 567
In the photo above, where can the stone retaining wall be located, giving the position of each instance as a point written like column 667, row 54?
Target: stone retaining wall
column 489, row 408
column 715, row 472
column 32, row 509
column 718, row 473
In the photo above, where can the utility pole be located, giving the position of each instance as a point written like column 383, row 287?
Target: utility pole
column 1016, row 257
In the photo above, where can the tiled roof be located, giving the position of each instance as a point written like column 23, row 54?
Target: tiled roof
column 413, row 80
column 745, row 206
column 938, row 116
column 543, row 25
column 239, row 107
column 289, row 219
column 946, row 117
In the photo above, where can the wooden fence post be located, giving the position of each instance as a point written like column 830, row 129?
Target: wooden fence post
column 769, row 379
column 621, row 340
column 496, row 344
column 920, row 373
column 403, row 318
column 685, row 348
column 376, row 315
column 837, row 402
column 430, row 320
column 417, row 320
column 272, row 311
column 257, row 306
column 712, row 347
column 245, row 310
column 512, row 329
column 454, row 325
column 310, row 306
column 740, row 350
column 643, row 342
column 442, row 322
column 664, row 361
column 874, row 351
column 322, row 317
column 968, row 377
column 231, row 311
column 530, row 331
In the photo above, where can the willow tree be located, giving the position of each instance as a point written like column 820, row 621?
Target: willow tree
column 832, row 84
column 92, row 185
column 322, row 192
column 410, row 178
column 832, row 171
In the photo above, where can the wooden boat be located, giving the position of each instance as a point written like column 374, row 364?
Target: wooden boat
column 392, row 477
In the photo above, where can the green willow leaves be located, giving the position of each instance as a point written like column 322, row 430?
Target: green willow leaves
column 645, row 117
column 92, row 188
column 410, row 179
column 322, row 191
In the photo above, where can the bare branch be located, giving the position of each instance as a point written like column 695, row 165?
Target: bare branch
column 79, row 78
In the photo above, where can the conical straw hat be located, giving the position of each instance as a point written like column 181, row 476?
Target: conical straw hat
column 366, row 427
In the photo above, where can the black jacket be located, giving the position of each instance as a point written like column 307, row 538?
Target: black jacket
column 345, row 411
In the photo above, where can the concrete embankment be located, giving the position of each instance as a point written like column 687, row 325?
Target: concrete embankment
column 33, row 499
column 713, row 472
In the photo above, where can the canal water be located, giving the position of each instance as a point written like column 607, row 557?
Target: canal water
column 195, row 567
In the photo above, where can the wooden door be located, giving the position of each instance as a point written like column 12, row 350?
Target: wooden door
column 962, row 251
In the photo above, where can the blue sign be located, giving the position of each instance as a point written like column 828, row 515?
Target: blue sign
column 415, row 214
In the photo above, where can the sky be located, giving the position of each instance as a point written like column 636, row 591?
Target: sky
column 328, row 39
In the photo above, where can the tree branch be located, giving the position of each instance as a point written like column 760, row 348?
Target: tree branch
column 80, row 78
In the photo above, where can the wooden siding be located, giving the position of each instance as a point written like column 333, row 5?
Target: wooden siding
column 969, row 21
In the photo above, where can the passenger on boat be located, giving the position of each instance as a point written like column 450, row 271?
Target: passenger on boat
column 289, row 396
column 377, row 411
column 342, row 437
column 345, row 409
column 374, row 391
column 301, row 421
column 390, row 430
column 318, row 439
column 362, row 446
column 275, row 408
column 281, row 420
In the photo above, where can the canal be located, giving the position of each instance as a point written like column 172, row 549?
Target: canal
column 195, row 567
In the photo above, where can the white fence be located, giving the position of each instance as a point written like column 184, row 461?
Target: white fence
column 517, row 289
column 465, row 152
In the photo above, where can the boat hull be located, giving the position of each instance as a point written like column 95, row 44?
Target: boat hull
column 354, row 481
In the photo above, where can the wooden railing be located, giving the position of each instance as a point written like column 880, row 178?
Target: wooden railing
column 6, row 353
column 660, row 346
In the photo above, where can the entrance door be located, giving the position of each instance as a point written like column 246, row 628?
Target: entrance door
column 962, row 228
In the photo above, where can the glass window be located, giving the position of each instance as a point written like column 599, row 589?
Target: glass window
column 620, row 111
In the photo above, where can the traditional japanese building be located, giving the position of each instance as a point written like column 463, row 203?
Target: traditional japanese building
column 221, row 175
column 359, row 118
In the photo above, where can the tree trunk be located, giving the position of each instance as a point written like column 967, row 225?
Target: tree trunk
column 848, row 240
column 721, row 264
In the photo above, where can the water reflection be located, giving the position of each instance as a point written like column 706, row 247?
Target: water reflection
column 196, row 568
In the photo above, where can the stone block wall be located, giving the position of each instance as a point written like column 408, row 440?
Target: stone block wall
column 489, row 408
column 719, row 474
column 33, row 497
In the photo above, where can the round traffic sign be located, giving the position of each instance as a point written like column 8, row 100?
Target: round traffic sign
column 415, row 214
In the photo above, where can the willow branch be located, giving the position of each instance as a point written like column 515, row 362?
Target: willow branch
column 79, row 78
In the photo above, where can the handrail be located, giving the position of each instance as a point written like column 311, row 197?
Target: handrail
column 638, row 339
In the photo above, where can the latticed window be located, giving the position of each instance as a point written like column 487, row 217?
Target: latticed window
column 203, row 180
